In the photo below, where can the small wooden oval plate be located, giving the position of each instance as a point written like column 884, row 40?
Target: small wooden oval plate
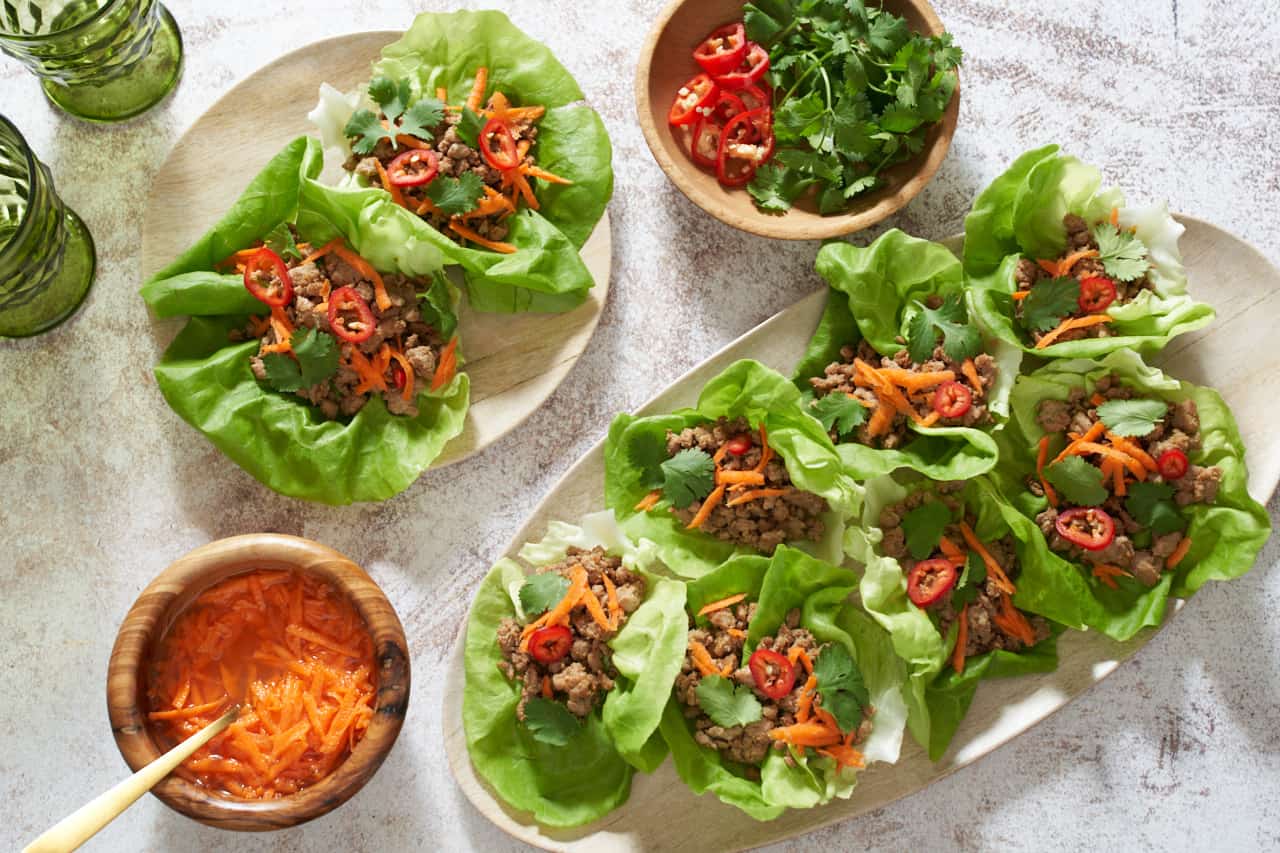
column 515, row 361
column 175, row 588
column 666, row 63
column 662, row 814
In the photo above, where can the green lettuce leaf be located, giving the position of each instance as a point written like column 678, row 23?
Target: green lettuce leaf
column 1021, row 212
column 1226, row 535
column 873, row 291
column 793, row 580
column 635, row 448
column 936, row 700
column 278, row 438
column 546, row 273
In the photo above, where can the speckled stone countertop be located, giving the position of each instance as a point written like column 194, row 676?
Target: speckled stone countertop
column 101, row 485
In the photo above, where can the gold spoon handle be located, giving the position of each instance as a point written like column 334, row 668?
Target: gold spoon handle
column 81, row 825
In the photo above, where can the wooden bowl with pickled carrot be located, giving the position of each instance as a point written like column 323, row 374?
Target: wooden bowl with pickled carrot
column 297, row 634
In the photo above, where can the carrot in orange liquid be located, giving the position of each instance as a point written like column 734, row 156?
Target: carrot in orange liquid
column 294, row 653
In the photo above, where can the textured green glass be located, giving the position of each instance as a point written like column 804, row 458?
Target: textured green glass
column 46, row 254
column 100, row 60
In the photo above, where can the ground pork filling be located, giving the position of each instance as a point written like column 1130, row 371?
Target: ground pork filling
column 1135, row 549
column 456, row 159
column 985, row 631
column 1079, row 237
column 765, row 522
column 400, row 328
column 723, row 639
column 580, row 679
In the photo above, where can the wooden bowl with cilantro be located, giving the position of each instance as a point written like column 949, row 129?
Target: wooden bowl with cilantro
column 864, row 102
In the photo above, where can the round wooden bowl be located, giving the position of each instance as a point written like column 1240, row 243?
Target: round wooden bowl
column 666, row 63
column 171, row 591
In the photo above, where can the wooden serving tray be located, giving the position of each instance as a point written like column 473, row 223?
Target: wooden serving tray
column 515, row 361
column 1238, row 354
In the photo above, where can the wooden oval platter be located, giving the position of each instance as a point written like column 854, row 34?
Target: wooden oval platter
column 515, row 361
column 1225, row 272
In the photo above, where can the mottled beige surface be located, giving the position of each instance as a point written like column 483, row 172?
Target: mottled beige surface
column 103, row 485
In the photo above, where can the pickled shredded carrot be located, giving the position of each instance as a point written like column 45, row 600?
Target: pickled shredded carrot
column 298, row 658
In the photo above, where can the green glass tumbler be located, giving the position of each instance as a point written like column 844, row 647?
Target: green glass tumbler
column 47, row 258
column 99, row 60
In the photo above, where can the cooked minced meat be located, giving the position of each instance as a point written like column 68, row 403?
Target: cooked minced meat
column 723, row 639
column 581, row 678
column 400, row 328
column 1180, row 430
column 1079, row 236
column 763, row 523
column 984, row 631
column 839, row 376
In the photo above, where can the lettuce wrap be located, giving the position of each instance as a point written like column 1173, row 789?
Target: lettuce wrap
column 206, row 377
column 938, row 697
column 589, row 774
column 636, row 448
column 876, row 293
column 444, row 50
column 1226, row 535
column 792, row 580
column 1021, row 215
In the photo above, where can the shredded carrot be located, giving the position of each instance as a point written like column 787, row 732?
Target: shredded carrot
column 317, row 254
column 597, row 611
column 427, row 206
column 1178, row 553
column 1115, row 216
column 796, row 654
column 804, row 704
column 366, row 270
column 1081, row 448
column 1064, row 266
column 371, row 379
column 845, row 756
column 704, row 511
column 413, row 142
column 916, row 381
column 442, row 94
column 721, row 453
column 1107, row 574
column 1011, row 621
column 1092, row 434
column 477, row 88
column 526, row 191
column 702, row 659
column 881, row 420
column 526, row 113
column 722, row 604
column 951, row 551
column 559, row 615
column 1097, row 399
column 465, row 232
column 994, row 571
column 245, row 641
column 535, row 172
column 736, row 632
column 1041, row 455
column 1117, row 478
column 970, row 371
column 766, row 452
column 1131, row 447
column 1019, row 295
column 1069, row 324
column 807, row 734
column 493, row 203
column 649, row 501
column 962, row 641
column 611, row 596
column 547, row 692
column 447, row 366
column 740, row 478
column 756, row 494
column 396, row 195
column 928, row 420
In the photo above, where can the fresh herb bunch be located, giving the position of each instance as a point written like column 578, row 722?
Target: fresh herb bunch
column 854, row 93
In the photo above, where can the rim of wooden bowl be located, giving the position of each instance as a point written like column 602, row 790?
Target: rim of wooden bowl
column 734, row 206
column 174, row 588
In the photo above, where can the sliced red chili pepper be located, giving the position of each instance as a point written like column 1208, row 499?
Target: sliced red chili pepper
column 706, row 142
column 694, row 95
column 343, row 303
column 267, row 278
column 774, row 675
column 734, row 139
column 1089, row 527
column 413, row 168
column 550, row 644
column 506, row 157
column 1173, row 464
column 929, row 580
column 398, row 376
column 738, row 445
column 723, row 50
column 726, row 106
column 952, row 399
column 753, row 66
column 1096, row 293
column 757, row 95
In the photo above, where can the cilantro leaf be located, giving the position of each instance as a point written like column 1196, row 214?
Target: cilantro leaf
column 280, row 240
column 923, row 527
column 1077, row 481
column 1132, row 417
column 839, row 411
column 1123, row 255
column 421, row 118
column 727, row 704
column 367, row 128
column 764, row 19
column 315, row 359
column 959, row 339
column 843, row 689
column 1151, row 505
column 688, row 476
column 550, row 722
column 454, row 196
column 775, row 187
column 970, row 582
column 469, row 127
column 393, row 96
column 541, row 592
column 283, row 373
column 647, row 453
column 1048, row 302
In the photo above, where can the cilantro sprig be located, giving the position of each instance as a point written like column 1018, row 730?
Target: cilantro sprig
column 844, row 691
column 1151, row 505
column 315, row 359
column 455, row 196
column 550, row 722
column 541, row 592
column 727, row 704
column 923, row 527
column 1123, row 255
column 1132, row 417
column 960, row 339
column 1048, row 302
column 1077, row 481
column 839, row 412
column 403, row 115
column 970, row 582
column 688, row 476
column 856, row 94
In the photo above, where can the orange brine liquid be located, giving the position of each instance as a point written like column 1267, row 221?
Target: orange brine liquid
column 297, row 657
